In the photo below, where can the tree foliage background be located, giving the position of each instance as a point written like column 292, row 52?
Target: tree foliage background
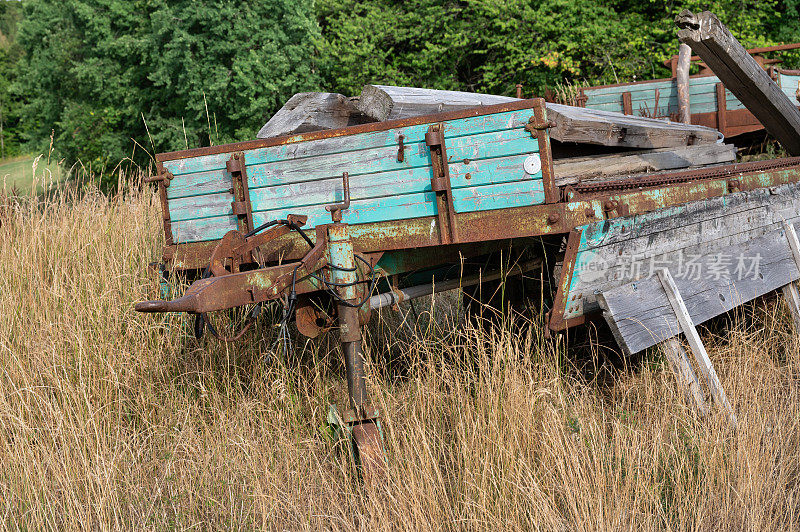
column 116, row 79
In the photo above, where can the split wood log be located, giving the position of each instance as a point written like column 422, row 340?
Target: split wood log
column 571, row 124
column 581, row 169
column 385, row 102
column 742, row 75
column 313, row 111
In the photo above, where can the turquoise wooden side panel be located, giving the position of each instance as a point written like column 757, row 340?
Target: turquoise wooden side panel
column 789, row 84
column 367, row 161
column 486, row 155
column 702, row 95
column 348, row 143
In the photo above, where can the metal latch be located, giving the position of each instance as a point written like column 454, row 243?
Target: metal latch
column 440, row 184
column 336, row 208
column 164, row 177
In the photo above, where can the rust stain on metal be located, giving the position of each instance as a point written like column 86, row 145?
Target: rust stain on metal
column 557, row 321
column 539, row 125
column 440, row 184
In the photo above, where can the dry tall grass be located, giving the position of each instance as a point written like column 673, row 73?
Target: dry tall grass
column 109, row 419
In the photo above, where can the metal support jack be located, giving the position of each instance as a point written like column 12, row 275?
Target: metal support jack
column 360, row 424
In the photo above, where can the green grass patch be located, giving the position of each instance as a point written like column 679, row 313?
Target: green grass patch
column 26, row 173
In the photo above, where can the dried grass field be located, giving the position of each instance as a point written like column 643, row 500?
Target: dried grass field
column 109, row 419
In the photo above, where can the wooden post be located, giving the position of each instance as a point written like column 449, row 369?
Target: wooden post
column 722, row 109
column 695, row 343
column 790, row 291
column 742, row 75
column 682, row 74
column 679, row 362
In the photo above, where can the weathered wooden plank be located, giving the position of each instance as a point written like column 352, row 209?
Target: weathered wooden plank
column 302, row 189
column 790, row 85
column 790, row 291
column 682, row 368
column 666, row 91
column 643, row 225
column 644, row 315
column 385, row 102
column 791, row 296
column 576, row 169
column 720, row 50
column 696, row 345
column 572, row 124
column 577, row 124
column 350, row 143
column 313, row 111
column 330, row 166
column 648, row 85
column 474, row 174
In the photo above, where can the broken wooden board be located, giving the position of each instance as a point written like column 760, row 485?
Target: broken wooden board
column 588, row 126
column 570, row 124
column 313, row 111
column 573, row 170
column 742, row 75
column 610, row 253
column 642, row 315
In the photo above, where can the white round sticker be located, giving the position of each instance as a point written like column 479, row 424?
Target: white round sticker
column 532, row 164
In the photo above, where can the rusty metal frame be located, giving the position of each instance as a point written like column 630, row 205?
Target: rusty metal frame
column 540, row 124
column 556, row 321
column 587, row 206
column 627, row 104
column 163, row 183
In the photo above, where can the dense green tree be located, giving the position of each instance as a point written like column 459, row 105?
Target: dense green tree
column 107, row 75
column 490, row 45
column 166, row 74
column 10, row 52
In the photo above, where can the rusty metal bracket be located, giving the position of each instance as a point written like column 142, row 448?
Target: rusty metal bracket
column 241, row 205
column 163, row 178
column 556, row 320
column 440, row 184
column 538, row 125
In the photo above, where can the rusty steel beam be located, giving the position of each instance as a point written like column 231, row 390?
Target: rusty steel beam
column 581, row 207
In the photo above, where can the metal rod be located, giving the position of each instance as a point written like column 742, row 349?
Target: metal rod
column 354, row 367
column 403, row 294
